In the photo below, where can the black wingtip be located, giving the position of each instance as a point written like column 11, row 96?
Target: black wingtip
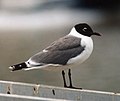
column 18, row 66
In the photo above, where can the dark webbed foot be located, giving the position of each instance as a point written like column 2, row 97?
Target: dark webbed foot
column 70, row 80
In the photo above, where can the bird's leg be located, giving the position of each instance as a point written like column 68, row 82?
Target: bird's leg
column 70, row 80
column 63, row 75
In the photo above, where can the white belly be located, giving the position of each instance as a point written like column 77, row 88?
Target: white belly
column 88, row 43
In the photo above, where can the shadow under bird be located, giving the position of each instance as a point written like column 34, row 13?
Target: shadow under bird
column 63, row 53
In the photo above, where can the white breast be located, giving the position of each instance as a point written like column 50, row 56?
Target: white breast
column 88, row 43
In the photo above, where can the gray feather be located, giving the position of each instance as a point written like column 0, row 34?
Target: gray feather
column 59, row 52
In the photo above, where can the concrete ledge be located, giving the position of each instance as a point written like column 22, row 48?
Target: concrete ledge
column 15, row 90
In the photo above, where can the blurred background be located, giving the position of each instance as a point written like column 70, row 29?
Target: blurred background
column 28, row 26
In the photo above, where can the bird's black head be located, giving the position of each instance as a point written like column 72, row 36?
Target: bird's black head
column 85, row 29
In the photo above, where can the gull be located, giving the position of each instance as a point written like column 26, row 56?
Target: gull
column 63, row 53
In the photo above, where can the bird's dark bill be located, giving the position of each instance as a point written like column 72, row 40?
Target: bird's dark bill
column 95, row 33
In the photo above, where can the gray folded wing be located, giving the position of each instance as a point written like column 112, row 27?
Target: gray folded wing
column 60, row 51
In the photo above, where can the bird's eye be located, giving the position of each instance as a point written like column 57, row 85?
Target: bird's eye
column 84, row 29
column 20, row 65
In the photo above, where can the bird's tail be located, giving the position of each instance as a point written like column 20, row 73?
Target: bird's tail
column 19, row 66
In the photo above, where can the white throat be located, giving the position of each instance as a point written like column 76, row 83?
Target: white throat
column 85, row 41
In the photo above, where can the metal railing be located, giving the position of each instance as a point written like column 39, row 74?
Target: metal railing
column 16, row 91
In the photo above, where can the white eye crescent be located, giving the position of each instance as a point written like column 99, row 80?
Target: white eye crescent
column 84, row 29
